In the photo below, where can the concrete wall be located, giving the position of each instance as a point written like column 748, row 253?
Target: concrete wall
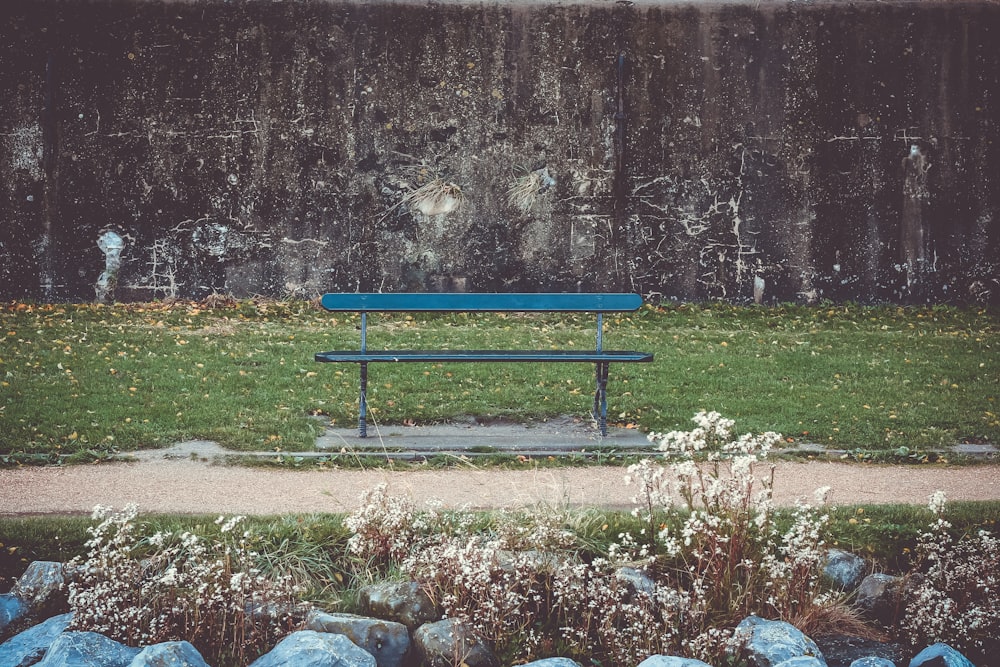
column 842, row 150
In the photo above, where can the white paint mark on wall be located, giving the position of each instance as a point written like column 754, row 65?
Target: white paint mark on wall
column 25, row 148
column 111, row 244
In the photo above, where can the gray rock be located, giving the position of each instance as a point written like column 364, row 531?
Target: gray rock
column 87, row 649
column 844, row 569
column 388, row 641
column 842, row 650
column 671, row 661
column 637, row 580
column 940, row 655
column 802, row 661
column 552, row 662
column 308, row 648
column 169, row 654
column 878, row 597
column 12, row 609
column 401, row 601
column 28, row 647
column 873, row 661
column 41, row 585
column 438, row 645
column 769, row 643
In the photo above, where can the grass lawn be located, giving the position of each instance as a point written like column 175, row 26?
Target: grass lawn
column 86, row 381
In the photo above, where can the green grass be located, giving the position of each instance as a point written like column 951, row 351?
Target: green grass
column 86, row 380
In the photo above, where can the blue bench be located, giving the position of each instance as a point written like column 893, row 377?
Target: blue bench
column 481, row 302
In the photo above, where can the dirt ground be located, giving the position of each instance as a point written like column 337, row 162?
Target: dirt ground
column 196, row 486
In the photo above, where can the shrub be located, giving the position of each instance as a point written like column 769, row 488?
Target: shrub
column 729, row 551
column 713, row 559
column 168, row 586
column 956, row 597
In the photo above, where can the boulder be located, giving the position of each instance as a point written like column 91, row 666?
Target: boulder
column 42, row 585
column 802, row 661
column 87, row 649
column 307, row 648
column 842, row 650
column 873, row 661
column 28, row 647
column 940, row 655
column 401, row 601
column 387, row 641
column 637, row 580
column 671, row 661
column 169, row 654
column 12, row 609
column 770, row 643
column 844, row 569
column 879, row 597
column 449, row 642
column 552, row 662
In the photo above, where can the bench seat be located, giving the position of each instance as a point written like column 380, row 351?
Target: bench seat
column 434, row 356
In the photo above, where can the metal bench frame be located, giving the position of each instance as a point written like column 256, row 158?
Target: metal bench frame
column 598, row 303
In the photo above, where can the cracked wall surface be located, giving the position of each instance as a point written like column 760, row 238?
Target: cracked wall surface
column 769, row 151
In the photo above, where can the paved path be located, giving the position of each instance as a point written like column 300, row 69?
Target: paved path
column 195, row 486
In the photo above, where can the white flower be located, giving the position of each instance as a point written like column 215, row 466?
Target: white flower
column 936, row 502
column 169, row 577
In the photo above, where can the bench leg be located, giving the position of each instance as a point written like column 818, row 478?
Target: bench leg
column 363, row 402
column 601, row 398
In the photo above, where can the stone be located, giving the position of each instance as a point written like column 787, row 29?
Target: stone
column 844, row 569
column 671, row 661
column 41, row 585
column 769, row 643
column 28, row 647
column 552, row 662
column 637, row 580
column 802, row 661
column 387, row 641
column 940, row 655
column 873, row 661
column 87, row 649
column 843, row 650
column 308, row 648
column 438, row 644
column 169, row 654
column 12, row 609
column 401, row 601
column 878, row 597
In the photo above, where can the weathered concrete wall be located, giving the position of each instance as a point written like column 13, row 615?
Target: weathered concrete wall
column 838, row 150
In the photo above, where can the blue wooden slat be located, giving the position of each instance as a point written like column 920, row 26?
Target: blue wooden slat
column 433, row 356
column 483, row 302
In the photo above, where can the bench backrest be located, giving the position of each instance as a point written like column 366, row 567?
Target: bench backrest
column 483, row 302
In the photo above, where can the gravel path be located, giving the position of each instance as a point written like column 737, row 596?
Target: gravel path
column 195, row 486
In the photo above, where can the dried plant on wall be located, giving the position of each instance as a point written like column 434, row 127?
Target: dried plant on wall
column 527, row 187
